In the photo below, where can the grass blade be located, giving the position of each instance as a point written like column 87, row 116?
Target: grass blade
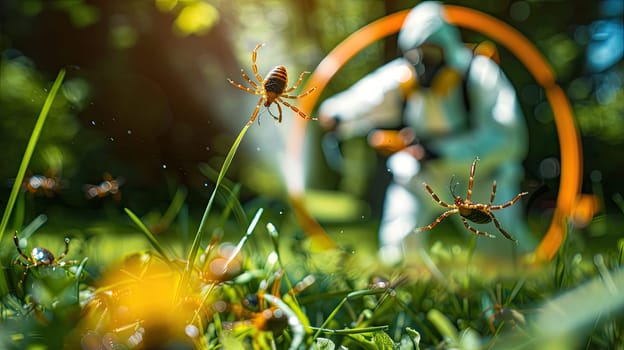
column 147, row 234
column 241, row 243
column 30, row 148
column 371, row 329
column 231, row 194
column 192, row 254
column 173, row 210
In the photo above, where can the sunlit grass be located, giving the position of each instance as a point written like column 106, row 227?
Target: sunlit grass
column 30, row 148
column 268, row 290
column 192, row 254
column 352, row 300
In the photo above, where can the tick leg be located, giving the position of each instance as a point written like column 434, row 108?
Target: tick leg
column 292, row 88
column 275, row 289
column 500, row 228
column 511, row 202
column 471, row 179
column 474, row 230
column 493, row 193
column 244, row 88
column 279, row 109
column 16, row 241
column 255, row 112
column 296, row 110
column 299, row 96
column 436, row 198
column 23, row 279
column 66, row 249
column 20, row 263
column 251, row 82
column 254, row 56
column 437, row 221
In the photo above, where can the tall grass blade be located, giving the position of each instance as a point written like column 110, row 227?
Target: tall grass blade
column 150, row 236
column 233, row 205
column 30, row 148
column 192, row 254
column 231, row 190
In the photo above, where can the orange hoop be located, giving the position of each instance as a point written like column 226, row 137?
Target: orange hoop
column 503, row 34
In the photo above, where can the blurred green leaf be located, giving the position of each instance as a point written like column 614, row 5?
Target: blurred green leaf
column 166, row 5
column 32, row 143
column 414, row 336
column 150, row 236
column 198, row 17
column 383, row 341
column 443, row 325
column 323, row 344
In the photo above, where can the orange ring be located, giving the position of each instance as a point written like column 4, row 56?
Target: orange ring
column 512, row 40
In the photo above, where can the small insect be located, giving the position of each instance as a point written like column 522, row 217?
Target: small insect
column 40, row 257
column 475, row 212
column 272, row 88
column 107, row 187
column 40, row 184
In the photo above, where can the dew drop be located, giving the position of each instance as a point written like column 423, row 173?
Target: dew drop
column 129, row 132
column 191, row 331
column 219, row 306
column 164, row 166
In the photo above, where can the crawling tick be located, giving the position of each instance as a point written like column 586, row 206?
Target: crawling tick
column 40, row 257
column 468, row 211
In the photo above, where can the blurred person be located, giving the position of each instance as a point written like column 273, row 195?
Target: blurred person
column 451, row 105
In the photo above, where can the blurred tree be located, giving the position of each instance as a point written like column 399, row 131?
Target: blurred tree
column 152, row 70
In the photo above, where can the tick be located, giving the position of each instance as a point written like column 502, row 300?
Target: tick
column 468, row 211
column 273, row 88
column 40, row 257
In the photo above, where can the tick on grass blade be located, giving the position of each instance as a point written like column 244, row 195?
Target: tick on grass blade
column 40, row 257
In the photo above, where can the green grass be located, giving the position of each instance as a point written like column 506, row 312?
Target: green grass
column 136, row 287
column 30, row 148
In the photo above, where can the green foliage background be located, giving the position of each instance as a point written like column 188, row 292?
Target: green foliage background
column 146, row 100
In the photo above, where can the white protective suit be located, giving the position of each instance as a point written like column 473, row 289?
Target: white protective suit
column 478, row 116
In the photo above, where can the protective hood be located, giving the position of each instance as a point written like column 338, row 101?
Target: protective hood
column 426, row 24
